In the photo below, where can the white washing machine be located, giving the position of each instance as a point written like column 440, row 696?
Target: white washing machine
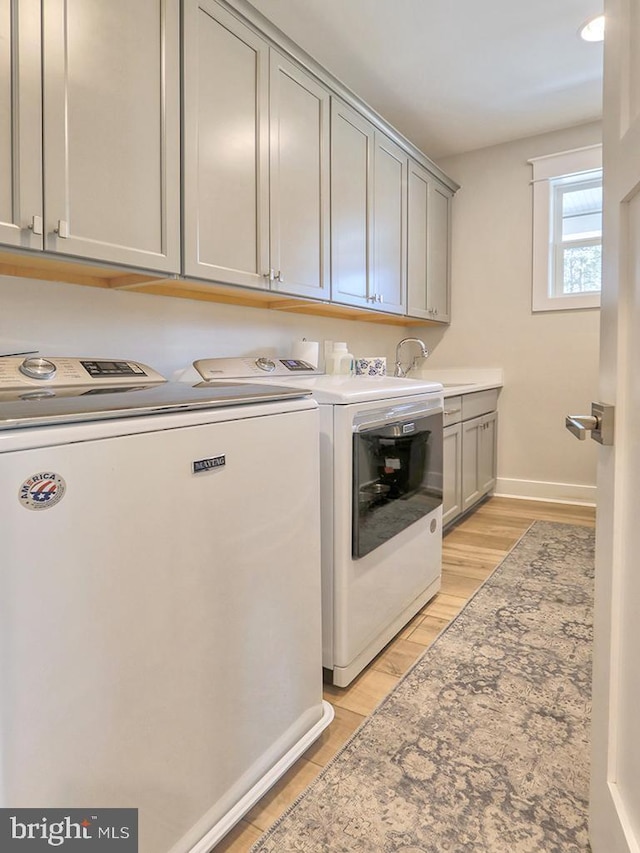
column 381, row 500
column 160, row 640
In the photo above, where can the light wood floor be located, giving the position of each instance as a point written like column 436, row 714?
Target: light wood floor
column 471, row 551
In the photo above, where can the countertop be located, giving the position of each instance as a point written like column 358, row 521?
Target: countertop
column 460, row 380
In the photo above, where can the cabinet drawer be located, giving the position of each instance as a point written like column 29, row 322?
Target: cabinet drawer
column 479, row 403
column 452, row 410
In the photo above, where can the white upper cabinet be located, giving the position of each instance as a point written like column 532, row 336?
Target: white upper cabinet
column 256, row 148
column 21, row 204
column 226, row 148
column 90, row 160
column 352, row 144
column 390, row 225
column 299, row 180
column 428, row 246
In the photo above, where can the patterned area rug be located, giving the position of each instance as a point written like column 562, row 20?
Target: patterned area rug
column 484, row 744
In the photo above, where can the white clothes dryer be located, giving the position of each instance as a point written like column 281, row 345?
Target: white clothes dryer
column 381, row 500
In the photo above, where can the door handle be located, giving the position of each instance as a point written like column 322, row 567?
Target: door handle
column 599, row 423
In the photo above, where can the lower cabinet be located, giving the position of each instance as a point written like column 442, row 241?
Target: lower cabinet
column 469, row 451
column 478, row 458
column 452, row 477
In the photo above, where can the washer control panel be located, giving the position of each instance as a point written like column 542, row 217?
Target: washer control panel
column 246, row 368
column 17, row 372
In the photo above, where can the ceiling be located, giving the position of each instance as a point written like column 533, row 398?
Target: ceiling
column 455, row 75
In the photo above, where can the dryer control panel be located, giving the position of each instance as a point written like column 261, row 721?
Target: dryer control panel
column 247, row 368
column 17, row 372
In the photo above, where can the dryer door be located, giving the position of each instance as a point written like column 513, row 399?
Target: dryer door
column 397, row 478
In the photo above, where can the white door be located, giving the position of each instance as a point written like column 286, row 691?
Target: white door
column 615, row 789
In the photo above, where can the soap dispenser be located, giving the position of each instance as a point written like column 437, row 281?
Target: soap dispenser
column 340, row 361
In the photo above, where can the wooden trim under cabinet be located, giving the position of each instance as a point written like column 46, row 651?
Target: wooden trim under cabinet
column 71, row 271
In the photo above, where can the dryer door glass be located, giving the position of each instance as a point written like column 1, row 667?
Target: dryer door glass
column 397, row 478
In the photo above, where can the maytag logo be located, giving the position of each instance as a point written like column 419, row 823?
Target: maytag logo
column 33, row 830
column 209, row 464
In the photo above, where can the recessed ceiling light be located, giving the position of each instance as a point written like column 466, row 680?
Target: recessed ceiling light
column 593, row 29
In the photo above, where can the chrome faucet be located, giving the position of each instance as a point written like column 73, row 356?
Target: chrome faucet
column 424, row 353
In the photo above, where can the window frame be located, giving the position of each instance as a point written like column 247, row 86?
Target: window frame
column 549, row 172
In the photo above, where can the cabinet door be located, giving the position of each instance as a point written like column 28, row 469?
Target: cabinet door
column 478, row 458
column 226, row 148
column 21, row 125
column 487, row 453
column 471, row 492
column 111, row 130
column 390, row 225
column 299, row 180
column 438, row 252
column 452, row 473
column 417, row 255
column 351, row 205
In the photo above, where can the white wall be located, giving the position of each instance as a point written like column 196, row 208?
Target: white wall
column 550, row 360
column 165, row 332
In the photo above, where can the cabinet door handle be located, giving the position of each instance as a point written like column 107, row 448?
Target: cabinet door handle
column 62, row 229
column 36, row 225
column 380, row 298
column 269, row 275
column 279, row 276
column 371, row 298
column 451, row 411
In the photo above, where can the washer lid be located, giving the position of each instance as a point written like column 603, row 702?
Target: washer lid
column 46, row 407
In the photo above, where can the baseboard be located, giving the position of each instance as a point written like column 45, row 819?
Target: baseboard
column 537, row 490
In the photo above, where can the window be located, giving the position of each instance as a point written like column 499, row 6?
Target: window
column 567, row 230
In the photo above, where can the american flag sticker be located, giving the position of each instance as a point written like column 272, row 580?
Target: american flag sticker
column 42, row 490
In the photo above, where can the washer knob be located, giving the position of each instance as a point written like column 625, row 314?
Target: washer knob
column 38, row 368
column 266, row 364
